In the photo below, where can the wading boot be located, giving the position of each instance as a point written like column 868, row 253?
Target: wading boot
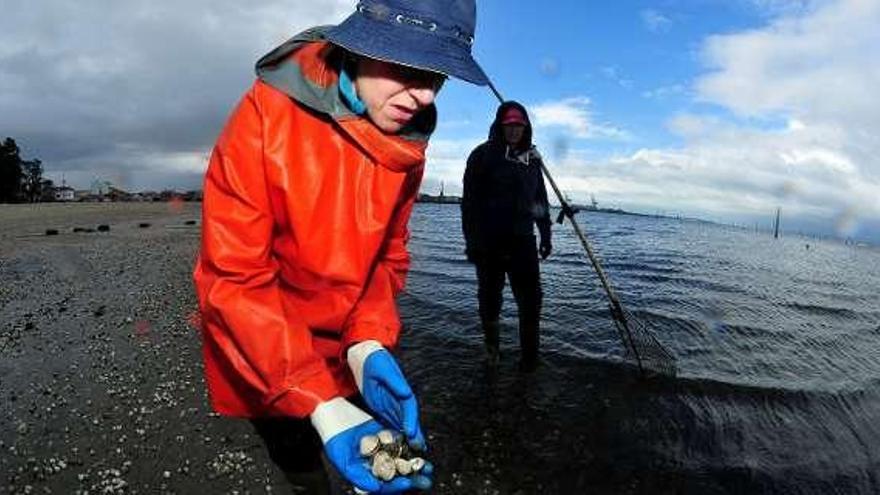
column 491, row 331
column 529, row 341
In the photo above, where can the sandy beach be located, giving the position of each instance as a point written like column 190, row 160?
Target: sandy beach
column 101, row 368
column 101, row 375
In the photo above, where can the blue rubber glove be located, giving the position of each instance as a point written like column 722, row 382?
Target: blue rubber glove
column 385, row 390
column 341, row 425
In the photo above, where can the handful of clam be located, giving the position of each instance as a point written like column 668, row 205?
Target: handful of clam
column 390, row 455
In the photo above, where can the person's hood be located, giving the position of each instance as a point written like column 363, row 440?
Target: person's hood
column 306, row 68
column 496, row 135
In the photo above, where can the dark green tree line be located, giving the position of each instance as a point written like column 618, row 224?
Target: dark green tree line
column 20, row 180
column 32, row 180
column 10, row 171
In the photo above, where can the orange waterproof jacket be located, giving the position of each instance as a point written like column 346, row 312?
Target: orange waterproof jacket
column 304, row 236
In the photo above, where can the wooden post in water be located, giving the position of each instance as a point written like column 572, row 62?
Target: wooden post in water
column 776, row 225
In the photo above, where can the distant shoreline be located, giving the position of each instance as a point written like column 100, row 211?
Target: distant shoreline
column 36, row 217
column 455, row 200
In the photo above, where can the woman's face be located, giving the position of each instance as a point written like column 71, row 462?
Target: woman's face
column 513, row 133
column 394, row 94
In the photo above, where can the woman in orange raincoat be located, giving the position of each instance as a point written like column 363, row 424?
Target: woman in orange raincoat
column 306, row 202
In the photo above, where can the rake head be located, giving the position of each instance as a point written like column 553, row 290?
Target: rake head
column 642, row 348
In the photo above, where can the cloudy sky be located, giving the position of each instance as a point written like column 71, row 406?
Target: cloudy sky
column 721, row 109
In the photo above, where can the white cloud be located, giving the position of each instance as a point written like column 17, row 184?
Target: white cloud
column 573, row 115
column 816, row 67
column 818, row 70
column 655, row 21
column 92, row 87
column 664, row 92
column 446, row 161
column 733, row 172
column 799, row 126
column 788, row 7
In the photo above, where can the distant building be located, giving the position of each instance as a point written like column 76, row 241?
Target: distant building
column 103, row 191
column 86, row 195
column 168, row 195
column 65, row 193
column 427, row 198
column 442, row 198
column 192, row 195
column 116, row 194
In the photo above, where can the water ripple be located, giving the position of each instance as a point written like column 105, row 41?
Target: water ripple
column 778, row 346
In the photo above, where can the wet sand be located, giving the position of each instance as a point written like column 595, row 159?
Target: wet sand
column 101, row 375
column 102, row 389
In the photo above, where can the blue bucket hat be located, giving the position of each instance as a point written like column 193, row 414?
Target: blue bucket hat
column 433, row 35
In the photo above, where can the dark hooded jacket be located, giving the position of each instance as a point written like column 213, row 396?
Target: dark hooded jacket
column 504, row 193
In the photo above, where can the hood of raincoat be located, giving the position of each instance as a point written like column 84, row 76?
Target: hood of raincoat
column 306, row 68
column 496, row 134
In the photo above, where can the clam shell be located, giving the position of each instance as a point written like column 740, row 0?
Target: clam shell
column 404, row 467
column 417, row 464
column 386, row 437
column 369, row 445
column 384, row 466
column 395, row 449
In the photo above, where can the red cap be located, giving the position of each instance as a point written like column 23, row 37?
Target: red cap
column 513, row 115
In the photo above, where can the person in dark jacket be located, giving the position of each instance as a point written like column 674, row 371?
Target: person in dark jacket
column 504, row 198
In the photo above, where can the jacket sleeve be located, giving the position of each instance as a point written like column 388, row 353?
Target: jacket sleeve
column 542, row 210
column 470, row 193
column 375, row 316
column 246, row 318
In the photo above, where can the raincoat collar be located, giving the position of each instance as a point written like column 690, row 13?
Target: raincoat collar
column 306, row 68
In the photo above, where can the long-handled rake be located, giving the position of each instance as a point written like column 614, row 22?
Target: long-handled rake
column 641, row 346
